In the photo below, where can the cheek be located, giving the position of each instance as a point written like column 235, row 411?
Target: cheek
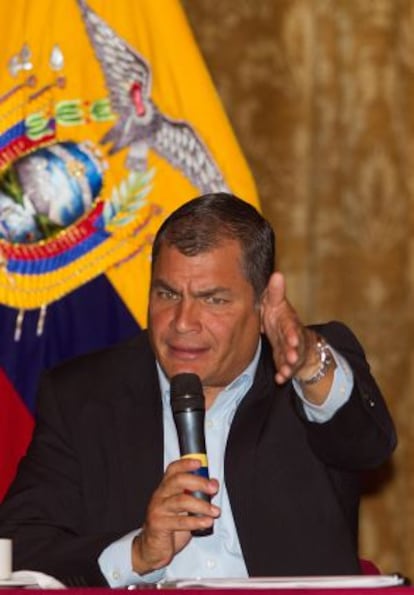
column 158, row 315
column 221, row 325
column 248, row 332
column 157, row 324
column 227, row 332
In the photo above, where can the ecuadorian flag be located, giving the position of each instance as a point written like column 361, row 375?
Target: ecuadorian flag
column 108, row 122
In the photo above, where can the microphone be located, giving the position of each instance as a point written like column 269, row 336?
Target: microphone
column 188, row 407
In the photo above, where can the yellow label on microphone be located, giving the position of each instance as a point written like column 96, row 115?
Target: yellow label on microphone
column 199, row 456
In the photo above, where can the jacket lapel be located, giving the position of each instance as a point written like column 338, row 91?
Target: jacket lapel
column 139, row 431
column 242, row 443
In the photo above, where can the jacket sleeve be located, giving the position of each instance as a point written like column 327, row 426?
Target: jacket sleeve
column 43, row 510
column 361, row 435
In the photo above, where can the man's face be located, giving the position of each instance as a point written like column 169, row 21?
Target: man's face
column 202, row 315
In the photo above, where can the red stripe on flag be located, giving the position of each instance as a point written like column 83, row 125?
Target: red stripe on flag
column 16, row 426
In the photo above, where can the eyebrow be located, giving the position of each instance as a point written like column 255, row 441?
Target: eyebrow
column 160, row 284
column 213, row 291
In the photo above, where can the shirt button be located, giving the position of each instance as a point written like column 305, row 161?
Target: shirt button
column 210, row 424
column 211, row 564
column 116, row 575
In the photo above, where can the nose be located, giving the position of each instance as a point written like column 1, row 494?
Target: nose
column 187, row 316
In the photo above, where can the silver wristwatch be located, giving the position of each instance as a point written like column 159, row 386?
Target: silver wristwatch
column 325, row 361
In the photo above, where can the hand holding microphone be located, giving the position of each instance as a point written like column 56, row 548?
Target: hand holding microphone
column 172, row 516
column 173, row 512
column 188, row 406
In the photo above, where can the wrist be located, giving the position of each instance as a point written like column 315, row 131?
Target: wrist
column 319, row 367
column 143, row 564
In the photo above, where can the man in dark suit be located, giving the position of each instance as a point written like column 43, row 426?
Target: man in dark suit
column 293, row 415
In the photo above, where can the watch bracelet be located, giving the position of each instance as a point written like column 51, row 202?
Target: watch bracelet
column 325, row 361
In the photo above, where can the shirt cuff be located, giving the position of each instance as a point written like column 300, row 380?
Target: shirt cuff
column 116, row 566
column 339, row 394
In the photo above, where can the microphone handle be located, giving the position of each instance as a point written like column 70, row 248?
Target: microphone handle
column 190, row 430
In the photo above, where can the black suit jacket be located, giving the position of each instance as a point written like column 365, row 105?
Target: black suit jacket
column 97, row 456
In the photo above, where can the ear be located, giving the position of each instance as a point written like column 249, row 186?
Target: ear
column 260, row 306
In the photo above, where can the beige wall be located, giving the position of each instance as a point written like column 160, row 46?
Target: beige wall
column 321, row 96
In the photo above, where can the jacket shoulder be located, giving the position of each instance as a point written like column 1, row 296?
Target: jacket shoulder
column 136, row 348
column 100, row 375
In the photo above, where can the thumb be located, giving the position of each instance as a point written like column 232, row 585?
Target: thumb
column 272, row 298
column 276, row 290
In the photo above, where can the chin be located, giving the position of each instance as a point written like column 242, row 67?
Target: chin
column 184, row 369
column 173, row 367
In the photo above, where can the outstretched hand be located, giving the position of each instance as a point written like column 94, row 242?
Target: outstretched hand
column 293, row 344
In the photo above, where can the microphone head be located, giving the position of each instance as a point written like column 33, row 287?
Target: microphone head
column 186, row 393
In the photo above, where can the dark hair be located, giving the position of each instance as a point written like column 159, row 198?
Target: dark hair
column 204, row 222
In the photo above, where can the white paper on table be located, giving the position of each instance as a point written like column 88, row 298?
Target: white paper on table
column 30, row 578
column 292, row 582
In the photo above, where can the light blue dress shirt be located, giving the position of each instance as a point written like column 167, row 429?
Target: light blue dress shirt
column 217, row 555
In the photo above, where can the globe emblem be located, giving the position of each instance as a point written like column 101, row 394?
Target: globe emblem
column 48, row 190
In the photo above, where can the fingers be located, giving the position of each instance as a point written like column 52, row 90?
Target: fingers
column 173, row 513
column 291, row 352
column 180, row 480
column 283, row 328
column 173, row 501
column 305, row 357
